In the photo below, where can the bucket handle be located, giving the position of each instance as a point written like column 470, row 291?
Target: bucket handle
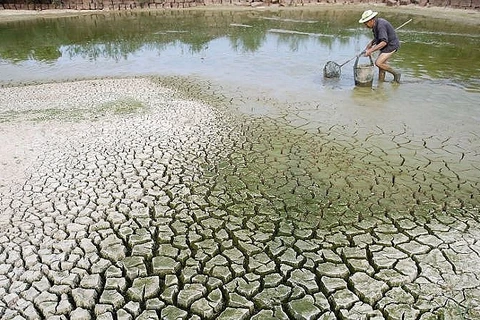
column 358, row 57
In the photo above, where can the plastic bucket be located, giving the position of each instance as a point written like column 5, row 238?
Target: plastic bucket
column 363, row 73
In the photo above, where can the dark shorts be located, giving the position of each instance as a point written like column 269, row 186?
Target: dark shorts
column 388, row 50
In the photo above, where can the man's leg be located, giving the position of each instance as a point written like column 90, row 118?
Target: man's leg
column 382, row 64
column 381, row 75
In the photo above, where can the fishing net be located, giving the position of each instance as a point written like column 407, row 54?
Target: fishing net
column 332, row 70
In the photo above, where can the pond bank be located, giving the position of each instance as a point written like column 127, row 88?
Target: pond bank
column 467, row 16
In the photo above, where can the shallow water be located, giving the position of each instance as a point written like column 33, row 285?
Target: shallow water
column 271, row 53
column 281, row 45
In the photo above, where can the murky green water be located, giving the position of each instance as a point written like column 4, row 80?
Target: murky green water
column 275, row 54
column 252, row 46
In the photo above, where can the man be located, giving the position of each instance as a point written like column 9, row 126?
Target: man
column 384, row 39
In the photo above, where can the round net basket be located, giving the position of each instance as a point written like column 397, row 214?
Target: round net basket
column 332, row 70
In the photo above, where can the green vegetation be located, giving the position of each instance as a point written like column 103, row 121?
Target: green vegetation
column 119, row 107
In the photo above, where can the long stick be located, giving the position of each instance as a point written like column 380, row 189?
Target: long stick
column 348, row 61
column 404, row 24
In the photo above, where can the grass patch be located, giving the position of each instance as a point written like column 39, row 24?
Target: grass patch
column 120, row 107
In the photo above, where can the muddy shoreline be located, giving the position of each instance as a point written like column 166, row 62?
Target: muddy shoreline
column 466, row 16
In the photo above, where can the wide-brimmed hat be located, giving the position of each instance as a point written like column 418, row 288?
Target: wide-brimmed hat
column 367, row 15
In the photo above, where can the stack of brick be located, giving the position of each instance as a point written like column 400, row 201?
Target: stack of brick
column 133, row 4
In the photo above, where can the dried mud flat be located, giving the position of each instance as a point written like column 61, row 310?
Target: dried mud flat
column 130, row 202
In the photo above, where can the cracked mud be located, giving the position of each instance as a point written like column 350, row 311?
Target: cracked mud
column 130, row 202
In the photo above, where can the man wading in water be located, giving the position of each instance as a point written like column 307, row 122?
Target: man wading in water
column 384, row 39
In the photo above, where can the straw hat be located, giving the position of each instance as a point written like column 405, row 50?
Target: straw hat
column 367, row 15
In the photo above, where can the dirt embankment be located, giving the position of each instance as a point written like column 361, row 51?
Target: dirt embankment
column 467, row 16
column 155, row 4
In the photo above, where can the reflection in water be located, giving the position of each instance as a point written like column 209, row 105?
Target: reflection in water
column 269, row 56
column 428, row 51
